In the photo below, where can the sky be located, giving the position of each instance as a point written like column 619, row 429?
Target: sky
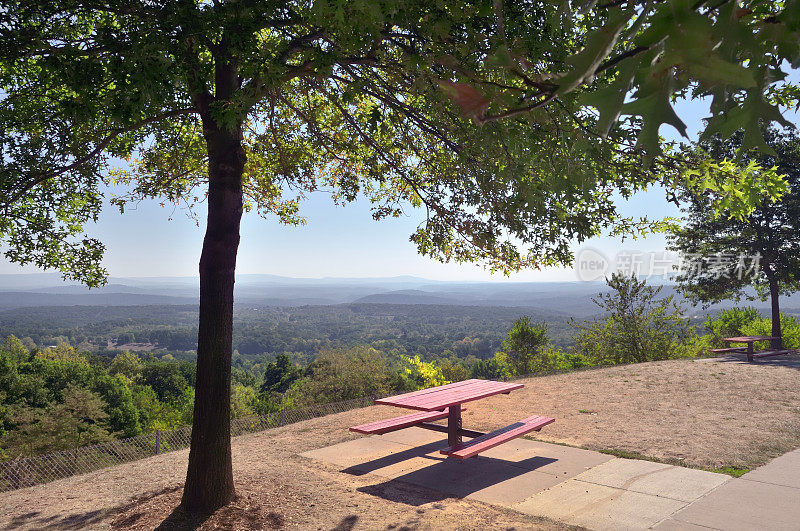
column 150, row 240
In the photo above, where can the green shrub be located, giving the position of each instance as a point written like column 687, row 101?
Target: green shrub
column 638, row 326
column 695, row 345
column 453, row 370
column 343, row 374
column 523, row 346
column 553, row 359
column 790, row 328
column 495, row 368
column 730, row 323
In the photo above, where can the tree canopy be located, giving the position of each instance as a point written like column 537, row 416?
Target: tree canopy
column 372, row 99
column 727, row 254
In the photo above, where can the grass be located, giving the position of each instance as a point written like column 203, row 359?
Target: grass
column 730, row 470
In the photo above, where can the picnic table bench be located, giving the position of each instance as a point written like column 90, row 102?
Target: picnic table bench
column 445, row 401
column 752, row 354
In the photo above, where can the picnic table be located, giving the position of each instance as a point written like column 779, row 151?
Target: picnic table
column 445, row 401
column 749, row 350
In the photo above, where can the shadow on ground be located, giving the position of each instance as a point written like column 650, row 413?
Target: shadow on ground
column 85, row 520
column 791, row 361
column 442, row 478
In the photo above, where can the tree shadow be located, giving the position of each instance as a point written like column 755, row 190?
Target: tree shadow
column 230, row 516
column 443, row 478
column 87, row 519
column 791, row 361
column 347, row 523
column 180, row 519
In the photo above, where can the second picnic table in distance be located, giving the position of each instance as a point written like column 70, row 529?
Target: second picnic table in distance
column 750, row 340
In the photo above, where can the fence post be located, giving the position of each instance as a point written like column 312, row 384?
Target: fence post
column 158, row 442
column 281, row 417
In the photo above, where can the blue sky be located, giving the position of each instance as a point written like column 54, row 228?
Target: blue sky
column 336, row 242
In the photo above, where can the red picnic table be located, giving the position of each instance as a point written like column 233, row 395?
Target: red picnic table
column 437, row 403
column 749, row 350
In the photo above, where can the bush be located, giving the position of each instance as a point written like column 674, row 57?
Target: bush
column 695, row 345
column 495, row 368
column 453, row 370
column 523, row 346
column 638, row 325
column 731, row 323
column 341, row 374
column 422, row 374
column 552, row 359
column 790, row 328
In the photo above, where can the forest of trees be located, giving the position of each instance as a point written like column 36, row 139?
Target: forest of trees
column 265, row 332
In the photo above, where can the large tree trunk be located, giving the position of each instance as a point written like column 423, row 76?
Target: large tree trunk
column 774, row 293
column 209, row 479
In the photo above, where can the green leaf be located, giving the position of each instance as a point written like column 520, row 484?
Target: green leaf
column 748, row 115
column 599, row 45
column 609, row 100
column 653, row 105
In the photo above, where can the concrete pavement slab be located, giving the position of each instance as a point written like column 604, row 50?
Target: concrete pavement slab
column 485, row 478
column 784, row 470
column 356, row 451
column 488, row 480
column 563, row 462
column 671, row 524
column 599, row 507
column 741, row 504
column 657, row 479
column 577, row 486
column 560, row 461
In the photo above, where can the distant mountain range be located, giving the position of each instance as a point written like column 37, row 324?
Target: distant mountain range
column 565, row 298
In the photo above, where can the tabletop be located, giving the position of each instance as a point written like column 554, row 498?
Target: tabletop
column 437, row 398
column 748, row 339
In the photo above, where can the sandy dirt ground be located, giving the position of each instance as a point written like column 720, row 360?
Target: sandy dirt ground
column 710, row 412
column 704, row 412
column 276, row 489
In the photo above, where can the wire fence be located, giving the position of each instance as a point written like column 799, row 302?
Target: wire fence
column 28, row 471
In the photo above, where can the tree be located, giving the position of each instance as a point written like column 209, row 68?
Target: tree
column 343, row 374
column 78, row 420
column 731, row 253
column 169, row 380
column 126, row 363
column 279, row 375
column 638, row 326
column 524, row 342
column 250, row 104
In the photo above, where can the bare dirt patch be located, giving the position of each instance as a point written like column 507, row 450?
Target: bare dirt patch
column 707, row 413
column 710, row 412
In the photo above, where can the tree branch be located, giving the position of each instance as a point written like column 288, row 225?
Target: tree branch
column 5, row 202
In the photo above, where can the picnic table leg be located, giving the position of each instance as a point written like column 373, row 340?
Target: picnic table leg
column 750, row 351
column 454, row 425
